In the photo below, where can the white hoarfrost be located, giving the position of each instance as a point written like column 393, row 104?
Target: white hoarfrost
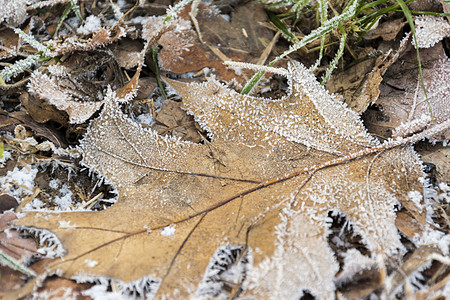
column 168, row 231
column 19, row 182
column 229, row 266
column 49, row 89
column 49, row 244
column 91, row 24
column 430, row 30
column 293, row 268
column 13, row 12
column 143, row 288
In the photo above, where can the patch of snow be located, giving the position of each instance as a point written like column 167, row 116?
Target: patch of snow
column 92, row 24
column 91, row 263
column 64, row 201
column 143, row 288
column 146, row 119
column 20, row 181
column 66, row 225
column 54, row 183
column 36, row 204
column 5, row 157
column 168, row 231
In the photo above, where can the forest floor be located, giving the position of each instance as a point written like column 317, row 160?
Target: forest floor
column 56, row 74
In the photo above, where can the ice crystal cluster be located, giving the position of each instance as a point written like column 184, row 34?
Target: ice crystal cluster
column 63, row 98
column 430, row 30
column 13, row 12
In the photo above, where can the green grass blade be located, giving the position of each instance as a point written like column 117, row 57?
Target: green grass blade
column 9, row 261
column 336, row 58
column 158, row 78
column 408, row 16
column 285, row 31
column 430, row 13
column 76, row 10
column 63, row 17
column 329, row 25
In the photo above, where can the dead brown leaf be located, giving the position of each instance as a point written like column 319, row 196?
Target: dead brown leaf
column 407, row 224
column 359, row 85
column 402, row 99
column 387, row 30
column 127, row 52
column 174, row 121
column 207, row 219
column 9, row 123
column 237, row 40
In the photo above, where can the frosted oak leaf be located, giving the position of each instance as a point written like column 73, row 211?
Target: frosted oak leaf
column 238, row 218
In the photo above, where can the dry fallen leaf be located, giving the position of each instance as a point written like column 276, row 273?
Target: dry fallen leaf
column 359, row 86
column 237, row 39
column 387, row 30
column 208, row 219
column 402, row 99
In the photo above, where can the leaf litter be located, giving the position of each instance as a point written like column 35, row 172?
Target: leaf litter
column 167, row 186
column 240, row 195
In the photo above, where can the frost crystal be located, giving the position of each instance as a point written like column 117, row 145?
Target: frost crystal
column 49, row 244
column 430, row 30
column 62, row 98
column 168, row 231
column 13, row 12
column 19, row 182
column 144, row 288
column 92, row 24
column 228, row 266
column 7, row 73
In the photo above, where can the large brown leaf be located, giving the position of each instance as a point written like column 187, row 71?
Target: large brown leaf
column 201, row 219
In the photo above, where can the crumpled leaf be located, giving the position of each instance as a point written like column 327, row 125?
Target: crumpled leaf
column 238, row 39
column 402, row 99
column 387, row 30
column 48, row 88
column 359, row 86
column 200, row 219
column 101, row 38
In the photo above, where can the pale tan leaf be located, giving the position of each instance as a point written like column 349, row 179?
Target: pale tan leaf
column 248, row 208
column 62, row 98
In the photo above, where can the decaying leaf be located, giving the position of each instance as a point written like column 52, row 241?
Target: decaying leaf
column 359, row 85
column 206, row 219
column 238, row 39
column 49, row 88
column 101, row 38
column 403, row 100
column 13, row 12
column 387, row 30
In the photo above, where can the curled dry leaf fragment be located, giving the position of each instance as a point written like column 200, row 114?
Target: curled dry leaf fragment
column 232, row 200
column 430, row 30
column 403, row 101
column 49, row 89
column 101, row 38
